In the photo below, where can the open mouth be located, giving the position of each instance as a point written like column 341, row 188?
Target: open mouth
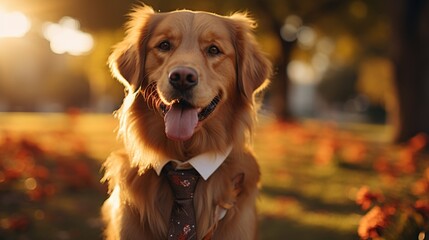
column 181, row 118
column 203, row 113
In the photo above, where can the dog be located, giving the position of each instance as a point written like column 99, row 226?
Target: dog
column 191, row 79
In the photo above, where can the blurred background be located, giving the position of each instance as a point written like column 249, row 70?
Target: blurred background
column 342, row 140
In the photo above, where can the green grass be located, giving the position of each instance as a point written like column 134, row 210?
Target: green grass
column 301, row 199
column 311, row 172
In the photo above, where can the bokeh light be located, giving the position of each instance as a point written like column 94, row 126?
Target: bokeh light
column 301, row 72
column 290, row 28
column 306, row 37
column 13, row 24
column 65, row 37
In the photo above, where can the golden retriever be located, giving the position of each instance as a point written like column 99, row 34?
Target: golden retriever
column 190, row 79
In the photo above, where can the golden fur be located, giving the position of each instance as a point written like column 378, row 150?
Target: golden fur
column 140, row 202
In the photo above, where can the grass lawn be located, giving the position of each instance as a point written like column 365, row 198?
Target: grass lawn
column 311, row 173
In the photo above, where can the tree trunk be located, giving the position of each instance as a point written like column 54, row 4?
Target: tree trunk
column 280, row 83
column 279, row 89
column 410, row 28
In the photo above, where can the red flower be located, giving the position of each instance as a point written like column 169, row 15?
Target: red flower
column 372, row 224
column 365, row 198
column 420, row 187
column 422, row 206
column 418, row 142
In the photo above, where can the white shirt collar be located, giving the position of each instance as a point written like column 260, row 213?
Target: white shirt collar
column 205, row 164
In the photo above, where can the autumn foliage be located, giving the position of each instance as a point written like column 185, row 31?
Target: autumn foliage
column 394, row 203
column 402, row 211
column 35, row 182
column 315, row 176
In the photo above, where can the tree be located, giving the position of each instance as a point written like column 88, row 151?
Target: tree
column 410, row 55
column 280, row 79
column 274, row 12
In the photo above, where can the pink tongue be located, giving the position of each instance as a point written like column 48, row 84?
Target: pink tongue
column 180, row 122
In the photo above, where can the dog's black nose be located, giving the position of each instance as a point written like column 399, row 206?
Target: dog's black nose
column 183, row 78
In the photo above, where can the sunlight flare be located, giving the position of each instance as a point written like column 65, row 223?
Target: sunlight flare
column 13, row 24
column 65, row 37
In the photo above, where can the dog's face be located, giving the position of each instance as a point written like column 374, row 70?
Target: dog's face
column 190, row 58
column 191, row 64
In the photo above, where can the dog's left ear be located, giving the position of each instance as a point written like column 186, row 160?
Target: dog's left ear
column 253, row 68
column 128, row 57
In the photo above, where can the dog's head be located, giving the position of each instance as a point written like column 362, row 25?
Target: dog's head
column 188, row 65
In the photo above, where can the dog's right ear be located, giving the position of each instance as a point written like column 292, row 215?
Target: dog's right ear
column 128, row 57
column 252, row 66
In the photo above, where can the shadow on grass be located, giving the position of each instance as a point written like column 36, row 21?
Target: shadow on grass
column 280, row 228
column 312, row 203
column 308, row 223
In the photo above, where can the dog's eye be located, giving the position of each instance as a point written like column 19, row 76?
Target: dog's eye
column 164, row 46
column 213, row 50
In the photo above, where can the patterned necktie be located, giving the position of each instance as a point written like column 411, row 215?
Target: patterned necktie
column 182, row 224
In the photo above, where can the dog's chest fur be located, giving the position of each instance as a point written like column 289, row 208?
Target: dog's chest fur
column 143, row 201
